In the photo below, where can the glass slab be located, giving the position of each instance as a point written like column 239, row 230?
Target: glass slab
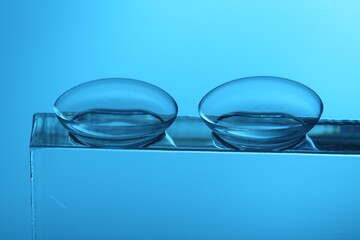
column 187, row 186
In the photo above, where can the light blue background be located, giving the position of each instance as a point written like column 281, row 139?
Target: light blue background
column 186, row 47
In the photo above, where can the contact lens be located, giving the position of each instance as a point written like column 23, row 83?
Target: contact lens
column 116, row 112
column 261, row 113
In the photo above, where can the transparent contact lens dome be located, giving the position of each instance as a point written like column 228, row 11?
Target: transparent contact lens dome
column 116, row 112
column 261, row 113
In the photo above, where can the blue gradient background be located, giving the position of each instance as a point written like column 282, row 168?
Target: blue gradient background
column 185, row 47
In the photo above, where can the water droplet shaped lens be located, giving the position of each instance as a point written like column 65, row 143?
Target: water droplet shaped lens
column 261, row 113
column 116, row 112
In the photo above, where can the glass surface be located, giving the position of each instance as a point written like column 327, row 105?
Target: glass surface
column 116, row 112
column 191, row 133
column 261, row 113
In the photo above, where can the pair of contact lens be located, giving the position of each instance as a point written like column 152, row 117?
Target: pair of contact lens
column 255, row 113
